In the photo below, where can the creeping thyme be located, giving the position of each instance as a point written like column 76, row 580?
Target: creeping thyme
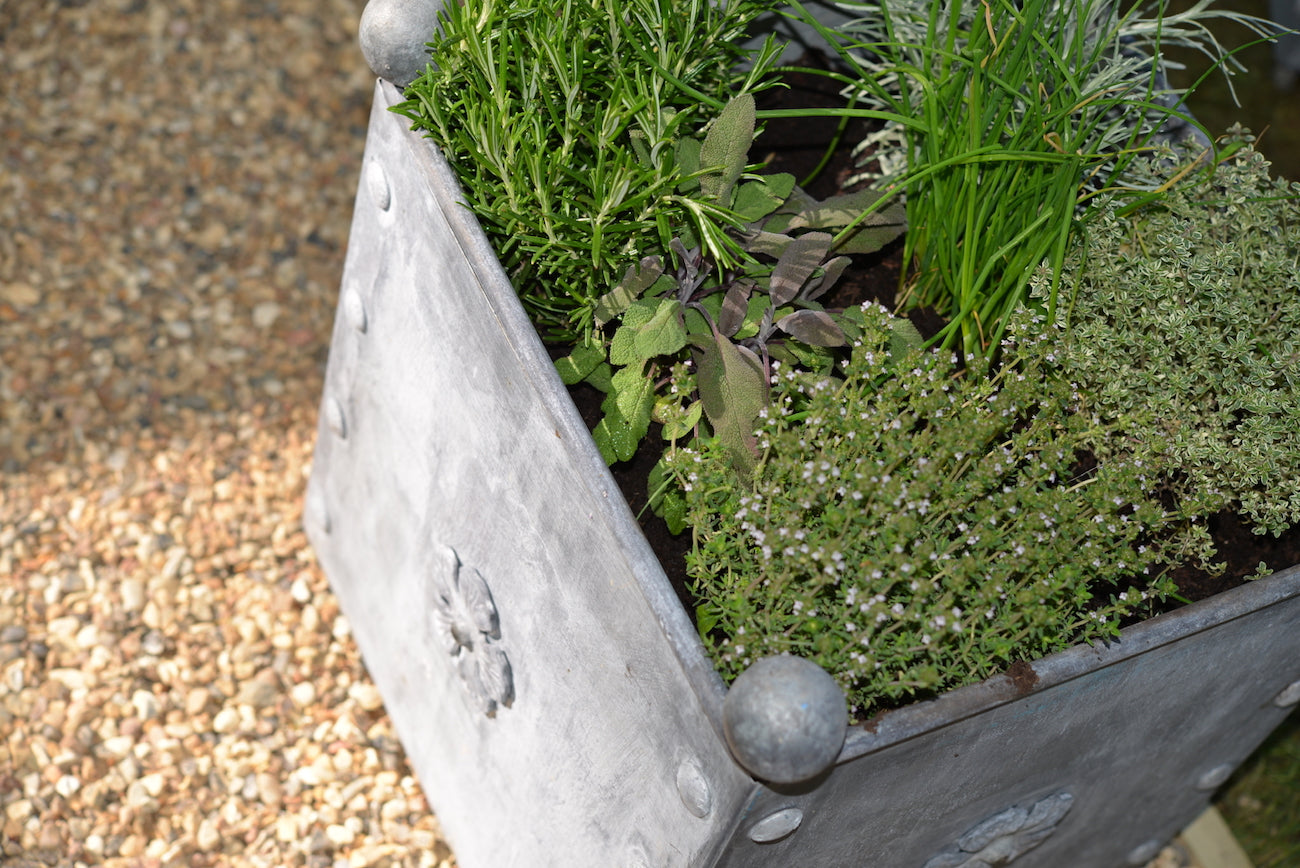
column 912, row 528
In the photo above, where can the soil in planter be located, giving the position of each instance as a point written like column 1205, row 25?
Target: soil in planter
column 797, row 146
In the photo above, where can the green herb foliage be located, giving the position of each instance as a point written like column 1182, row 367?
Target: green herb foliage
column 730, row 317
column 562, row 119
column 1186, row 325
column 1008, row 116
column 911, row 528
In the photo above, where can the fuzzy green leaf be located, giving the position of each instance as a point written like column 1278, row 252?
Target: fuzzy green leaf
column 726, row 147
column 631, row 397
column 635, row 282
column 672, row 509
column 575, row 367
column 622, row 347
column 757, row 199
column 664, row 333
column 615, row 439
column 600, row 377
column 687, row 154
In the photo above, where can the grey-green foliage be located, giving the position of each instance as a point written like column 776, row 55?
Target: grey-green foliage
column 1186, row 324
column 562, row 118
column 912, row 528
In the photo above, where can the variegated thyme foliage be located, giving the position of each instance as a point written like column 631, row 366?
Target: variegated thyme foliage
column 1186, row 326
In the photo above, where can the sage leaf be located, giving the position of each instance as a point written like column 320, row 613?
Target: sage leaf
column 663, row 334
column 812, row 327
column 734, row 307
column 733, row 390
column 635, row 282
column 831, row 273
column 575, row 367
column 797, row 263
column 757, row 199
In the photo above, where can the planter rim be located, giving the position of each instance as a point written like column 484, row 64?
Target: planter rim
column 892, row 727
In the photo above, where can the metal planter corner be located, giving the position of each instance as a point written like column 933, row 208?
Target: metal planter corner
column 552, row 694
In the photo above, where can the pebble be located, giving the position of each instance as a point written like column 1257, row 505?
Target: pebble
column 259, row 692
column 153, row 642
column 303, row 694
column 146, row 704
column 366, row 695
column 265, row 314
column 208, row 836
column 300, row 591
column 196, row 701
column 227, row 720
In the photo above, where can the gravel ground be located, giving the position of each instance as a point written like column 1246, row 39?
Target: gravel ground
column 177, row 686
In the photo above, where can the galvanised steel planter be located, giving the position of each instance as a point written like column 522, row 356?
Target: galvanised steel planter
column 552, row 694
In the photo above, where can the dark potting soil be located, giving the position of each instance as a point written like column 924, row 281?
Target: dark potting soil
column 797, row 146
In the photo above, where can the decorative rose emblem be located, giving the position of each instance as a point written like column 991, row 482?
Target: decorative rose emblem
column 465, row 620
column 1006, row 836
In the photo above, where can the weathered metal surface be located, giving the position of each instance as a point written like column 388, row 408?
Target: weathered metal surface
column 524, row 638
column 552, row 694
column 1137, row 735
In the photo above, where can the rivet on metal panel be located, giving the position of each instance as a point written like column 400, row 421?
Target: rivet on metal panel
column 466, row 622
column 1289, row 696
column 335, row 419
column 775, row 826
column 1214, row 777
column 1144, row 852
column 694, row 789
column 1005, row 836
column 785, row 719
column 377, row 181
column 354, row 309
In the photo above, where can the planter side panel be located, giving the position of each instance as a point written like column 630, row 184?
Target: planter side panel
column 1116, row 751
column 549, row 718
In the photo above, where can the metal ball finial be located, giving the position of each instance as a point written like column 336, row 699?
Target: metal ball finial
column 393, row 34
column 785, row 719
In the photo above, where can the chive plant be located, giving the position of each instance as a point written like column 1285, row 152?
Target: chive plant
column 1009, row 117
column 560, row 119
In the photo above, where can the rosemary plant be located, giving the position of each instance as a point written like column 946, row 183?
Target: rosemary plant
column 560, row 118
